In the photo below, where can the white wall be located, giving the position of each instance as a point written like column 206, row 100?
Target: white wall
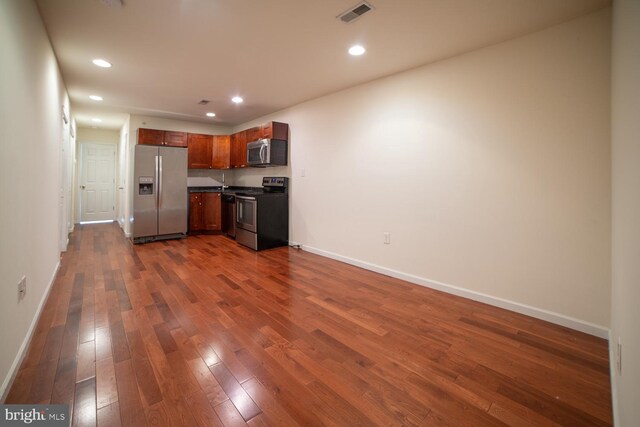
column 491, row 171
column 72, row 177
column 99, row 136
column 131, row 128
column 625, row 108
column 33, row 95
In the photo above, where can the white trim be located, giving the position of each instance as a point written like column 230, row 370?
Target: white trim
column 104, row 221
column 539, row 313
column 613, row 374
column 11, row 375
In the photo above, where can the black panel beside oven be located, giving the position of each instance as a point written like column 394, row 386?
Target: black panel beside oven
column 273, row 221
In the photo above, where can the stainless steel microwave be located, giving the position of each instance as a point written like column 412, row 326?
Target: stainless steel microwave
column 267, row 152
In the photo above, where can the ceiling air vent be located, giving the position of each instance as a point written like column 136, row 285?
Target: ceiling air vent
column 112, row 3
column 355, row 12
column 204, row 102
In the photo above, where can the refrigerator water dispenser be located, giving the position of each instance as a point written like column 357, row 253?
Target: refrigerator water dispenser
column 145, row 185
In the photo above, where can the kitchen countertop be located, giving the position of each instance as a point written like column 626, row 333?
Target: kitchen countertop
column 218, row 189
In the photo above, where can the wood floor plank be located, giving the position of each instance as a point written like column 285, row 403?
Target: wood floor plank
column 131, row 413
column 229, row 414
column 234, row 390
column 109, row 416
column 86, row 361
column 202, row 331
column 164, row 337
column 84, row 407
column 106, row 387
column 145, row 376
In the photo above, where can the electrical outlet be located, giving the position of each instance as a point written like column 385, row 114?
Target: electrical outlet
column 303, row 172
column 619, row 357
column 22, row 287
column 387, row 238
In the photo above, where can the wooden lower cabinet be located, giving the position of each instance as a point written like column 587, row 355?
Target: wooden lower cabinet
column 212, row 213
column 195, row 211
column 205, row 212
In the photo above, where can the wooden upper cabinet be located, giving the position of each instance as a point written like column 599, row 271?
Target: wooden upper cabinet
column 200, row 151
column 175, row 139
column 239, row 149
column 221, row 152
column 253, row 134
column 150, row 136
column 162, row 137
column 275, row 130
column 212, row 212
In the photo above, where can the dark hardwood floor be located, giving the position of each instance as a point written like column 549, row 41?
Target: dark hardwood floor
column 202, row 331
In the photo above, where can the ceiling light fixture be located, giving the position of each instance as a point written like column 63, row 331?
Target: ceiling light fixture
column 211, row 114
column 95, row 97
column 237, row 99
column 102, row 63
column 96, row 120
column 356, row 50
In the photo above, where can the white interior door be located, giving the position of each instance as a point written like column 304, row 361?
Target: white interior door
column 97, row 182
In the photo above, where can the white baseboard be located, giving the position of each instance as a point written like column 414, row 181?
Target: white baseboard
column 539, row 313
column 11, row 375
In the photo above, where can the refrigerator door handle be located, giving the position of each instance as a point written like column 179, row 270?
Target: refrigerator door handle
column 160, row 182
column 157, row 185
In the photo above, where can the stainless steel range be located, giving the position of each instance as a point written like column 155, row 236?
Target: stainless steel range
column 262, row 217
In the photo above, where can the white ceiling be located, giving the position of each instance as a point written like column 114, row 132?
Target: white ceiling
column 169, row 54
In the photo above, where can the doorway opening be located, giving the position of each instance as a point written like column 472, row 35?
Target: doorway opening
column 97, row 182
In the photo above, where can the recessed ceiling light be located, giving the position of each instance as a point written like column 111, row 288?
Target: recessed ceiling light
column 211, row 114
column 102, row 63
column 96, row 120
column 237, row 99
column 95, row 97
column 356, row 50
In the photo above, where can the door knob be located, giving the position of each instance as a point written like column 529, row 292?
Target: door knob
column 83, row 187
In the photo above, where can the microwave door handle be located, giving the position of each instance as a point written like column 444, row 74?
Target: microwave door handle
column 262, row 156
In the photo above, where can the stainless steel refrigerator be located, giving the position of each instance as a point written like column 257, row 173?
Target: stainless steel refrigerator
column 160, row 193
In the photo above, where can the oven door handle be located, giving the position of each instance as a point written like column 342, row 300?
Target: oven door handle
column 245, row 198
